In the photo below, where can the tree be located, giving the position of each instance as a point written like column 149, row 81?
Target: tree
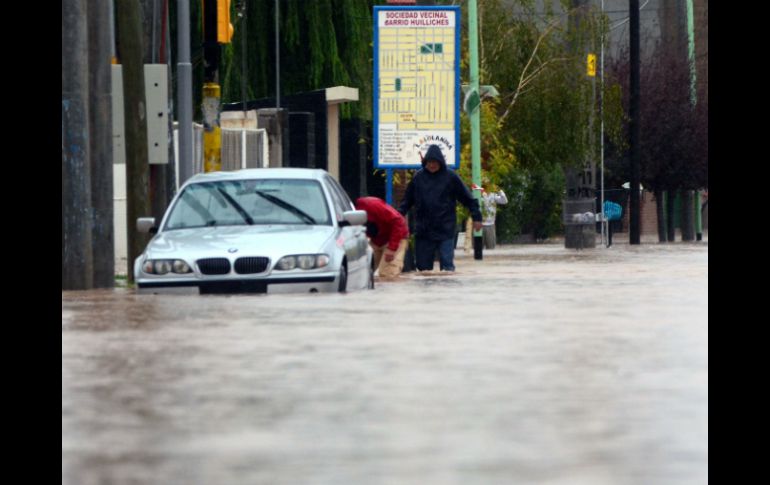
column 537, row 62
column 322, row 43
column 674, row 133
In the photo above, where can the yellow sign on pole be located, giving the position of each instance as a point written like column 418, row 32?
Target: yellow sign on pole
column 212, row 135
column 591, row 65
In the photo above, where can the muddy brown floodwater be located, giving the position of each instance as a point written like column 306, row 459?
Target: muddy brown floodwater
column 537, row 365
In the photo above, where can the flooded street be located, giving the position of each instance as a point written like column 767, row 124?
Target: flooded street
column 537, row 365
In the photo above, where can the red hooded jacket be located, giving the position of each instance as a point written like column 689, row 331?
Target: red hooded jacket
column 391, row 225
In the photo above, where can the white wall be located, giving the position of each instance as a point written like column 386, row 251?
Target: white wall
column 119, row 208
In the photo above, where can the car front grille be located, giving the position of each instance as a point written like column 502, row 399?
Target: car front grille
column 214, row 266
column 251, row 265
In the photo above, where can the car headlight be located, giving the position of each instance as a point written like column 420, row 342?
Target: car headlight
column 162, row 266
column 287, row 262
column 306, row 261
column 302, row 261
column 181, row 267
column 321, row 260
column 165, row 266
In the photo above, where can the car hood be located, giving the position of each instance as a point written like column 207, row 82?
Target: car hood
column 259, row 240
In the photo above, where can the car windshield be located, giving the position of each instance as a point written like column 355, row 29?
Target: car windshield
column 247, row 202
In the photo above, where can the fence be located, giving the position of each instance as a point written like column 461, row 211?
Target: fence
column 244, row 148
column 241, row 148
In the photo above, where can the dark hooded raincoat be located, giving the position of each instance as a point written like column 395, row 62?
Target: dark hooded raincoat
column 434, row 197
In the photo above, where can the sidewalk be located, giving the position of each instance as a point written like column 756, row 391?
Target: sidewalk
column 617, row 239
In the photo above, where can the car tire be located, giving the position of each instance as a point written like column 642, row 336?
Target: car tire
column 343, row 286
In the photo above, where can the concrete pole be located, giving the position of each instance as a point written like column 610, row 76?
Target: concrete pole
column 76, row 254
column 171, row 174
column 152, row 24
column 212, row 133
column 475, row 115
column 100, row 127
column 184, row 92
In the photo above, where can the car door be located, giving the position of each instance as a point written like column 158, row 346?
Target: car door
column 354, row 237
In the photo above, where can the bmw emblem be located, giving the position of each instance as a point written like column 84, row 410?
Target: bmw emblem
column 232, row 250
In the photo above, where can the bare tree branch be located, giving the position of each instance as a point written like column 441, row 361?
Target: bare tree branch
column 526, row 78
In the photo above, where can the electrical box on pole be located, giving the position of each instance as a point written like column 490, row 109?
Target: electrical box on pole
column 156, row 96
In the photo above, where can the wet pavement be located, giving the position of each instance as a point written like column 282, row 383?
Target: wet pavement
column 537, row 365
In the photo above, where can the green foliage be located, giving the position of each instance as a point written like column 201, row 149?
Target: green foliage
column 497, row 160
column 535, row 55
column 542, row 203
column 323, row 43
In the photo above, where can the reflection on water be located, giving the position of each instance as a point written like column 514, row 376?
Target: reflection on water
column 536, row 365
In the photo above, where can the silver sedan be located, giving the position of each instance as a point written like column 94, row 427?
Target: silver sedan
column 263, row 230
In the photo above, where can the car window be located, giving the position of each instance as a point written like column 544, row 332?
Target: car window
column 245, row 202
column 337, row 201
column 339, row 194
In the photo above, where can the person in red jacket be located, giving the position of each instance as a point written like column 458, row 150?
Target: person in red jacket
column 388, row 233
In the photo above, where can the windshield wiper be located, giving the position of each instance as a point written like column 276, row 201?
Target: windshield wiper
column 308, row 219
column 198, row 208
column 241, row 210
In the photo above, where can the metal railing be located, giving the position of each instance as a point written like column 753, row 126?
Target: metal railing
column 241, row 148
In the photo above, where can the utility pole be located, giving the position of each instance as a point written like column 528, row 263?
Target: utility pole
column 184, row 91
column 212, row 135
column 475, row 115
column 165, row 58
column 634, row 219
column 243, row 14
column 100, row 128
column 76, row 254
column 216, row 30
column 590, row 163
column 153, row 21
column 604, row 222
column 137, row 171
column 277, row 55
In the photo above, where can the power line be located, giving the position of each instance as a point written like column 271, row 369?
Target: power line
column 627, row 18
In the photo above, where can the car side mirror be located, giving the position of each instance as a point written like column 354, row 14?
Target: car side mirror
column 146, row 225
column 354, row 218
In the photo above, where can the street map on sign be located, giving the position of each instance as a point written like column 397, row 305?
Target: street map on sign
column 417, row 85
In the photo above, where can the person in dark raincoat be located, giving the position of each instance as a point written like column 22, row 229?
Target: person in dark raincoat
column 434, row 192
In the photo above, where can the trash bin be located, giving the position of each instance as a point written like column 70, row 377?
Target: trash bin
column 579, row 223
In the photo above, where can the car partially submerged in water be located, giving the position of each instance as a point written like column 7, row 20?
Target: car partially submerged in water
column 267, row 230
